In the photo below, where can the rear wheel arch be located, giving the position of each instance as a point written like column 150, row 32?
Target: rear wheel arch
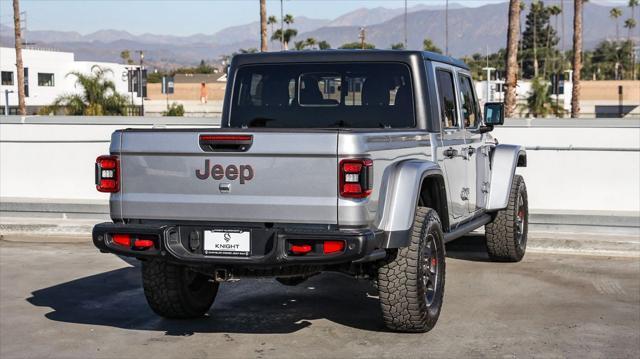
column 433, row 194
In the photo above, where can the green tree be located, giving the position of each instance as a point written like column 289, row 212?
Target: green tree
column 615, row 13
column 539, row 102
column 288, row 19
column 272, row 20
column 299, row 45
column 629, row 24
column 323, row 45
column 538, row 38
column 610, row 60
column 428, row 45
column 397, row 46
column 310, row 42
column 285, row 36
column 357, row 45
column 125, row 55
column 97, row 98
column 174, row 110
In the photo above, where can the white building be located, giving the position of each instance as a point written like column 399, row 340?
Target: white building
column 46, row 76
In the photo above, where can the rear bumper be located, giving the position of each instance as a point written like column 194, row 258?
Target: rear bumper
column 269, row 246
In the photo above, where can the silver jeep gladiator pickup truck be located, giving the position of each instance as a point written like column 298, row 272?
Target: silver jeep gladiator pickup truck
column 362, row 162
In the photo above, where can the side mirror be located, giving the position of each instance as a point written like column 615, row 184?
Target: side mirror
column 494, row 113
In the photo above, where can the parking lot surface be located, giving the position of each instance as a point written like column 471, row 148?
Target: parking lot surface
column 66, row 300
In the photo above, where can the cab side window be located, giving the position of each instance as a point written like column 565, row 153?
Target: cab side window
column 470, row 110
column 447, row 98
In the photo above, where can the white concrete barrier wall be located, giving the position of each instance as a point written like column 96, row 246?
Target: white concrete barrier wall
column 52, row 159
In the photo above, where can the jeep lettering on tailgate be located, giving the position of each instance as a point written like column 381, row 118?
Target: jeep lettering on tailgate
column 232, row 172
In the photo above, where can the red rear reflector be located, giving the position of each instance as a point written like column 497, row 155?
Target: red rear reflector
column 300, row 248
column 333, row 247
column 143, row 243
column 122, row 239
column 226, row 137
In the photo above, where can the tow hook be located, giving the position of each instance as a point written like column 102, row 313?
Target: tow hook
column 222, row 275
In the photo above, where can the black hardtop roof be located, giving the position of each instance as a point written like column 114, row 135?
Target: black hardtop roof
column 342, row 56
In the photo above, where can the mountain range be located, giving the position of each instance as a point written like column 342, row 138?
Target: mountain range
column 471, row 30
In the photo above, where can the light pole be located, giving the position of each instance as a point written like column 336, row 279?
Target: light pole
column 281, row 25
column 140, row 85
column 405, row 25
column 446, row 28
column 6, row 101
column 489, row 69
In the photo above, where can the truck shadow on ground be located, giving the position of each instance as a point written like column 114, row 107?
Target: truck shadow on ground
column 116, row 299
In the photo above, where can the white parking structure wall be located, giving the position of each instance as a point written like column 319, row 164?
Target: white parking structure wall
column 574, row 166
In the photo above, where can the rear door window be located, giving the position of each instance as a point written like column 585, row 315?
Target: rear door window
column 353, row 95
column 447, row 99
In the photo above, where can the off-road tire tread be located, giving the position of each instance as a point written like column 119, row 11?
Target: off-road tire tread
column 502, row 244
column 162, row 283
column 403, row 309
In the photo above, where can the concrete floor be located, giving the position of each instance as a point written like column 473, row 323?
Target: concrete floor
column 69, row 301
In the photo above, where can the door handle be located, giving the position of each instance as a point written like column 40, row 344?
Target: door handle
column 471, row 151
column 450, row 152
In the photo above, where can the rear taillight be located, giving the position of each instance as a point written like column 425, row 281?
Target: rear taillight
column 356, row 178
column 108, row 174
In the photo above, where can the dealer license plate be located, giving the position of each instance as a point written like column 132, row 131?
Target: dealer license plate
column 229, row 243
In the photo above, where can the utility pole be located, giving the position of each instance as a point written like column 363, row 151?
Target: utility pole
column 362, row 37
column 281, row 25
column 17, row 26
column 446, row 28
column 405, row 24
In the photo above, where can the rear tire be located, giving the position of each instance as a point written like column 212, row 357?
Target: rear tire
column 507, row 233
column 411, row 281
column 175, row 291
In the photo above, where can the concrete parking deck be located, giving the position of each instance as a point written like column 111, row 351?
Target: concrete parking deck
column 66, row 300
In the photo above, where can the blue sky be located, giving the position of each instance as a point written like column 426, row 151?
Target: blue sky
column 184, row 17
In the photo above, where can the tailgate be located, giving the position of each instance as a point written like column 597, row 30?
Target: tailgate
column 284, row 177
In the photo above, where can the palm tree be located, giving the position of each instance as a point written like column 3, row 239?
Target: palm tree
column 629, row 24
column 285, row 36
column 577, row 57
column 311, row 42
column 98, row 96
column 299, row 45
column 512, row 57
column 125, row 55
column 17, row 26
column 263, row 25
column 539, row 102
column 632, row 5
column 323, row 45
column 272, row 20
column 288, row 19
column 615, row 13
column 554, row 11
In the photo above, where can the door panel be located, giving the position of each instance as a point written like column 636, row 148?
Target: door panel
column 477, row 154
column 452, row 152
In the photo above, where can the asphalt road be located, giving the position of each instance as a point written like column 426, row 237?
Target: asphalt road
column 69, row 301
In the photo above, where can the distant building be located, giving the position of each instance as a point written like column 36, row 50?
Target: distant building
column 598, row 99
column 199, row 78
column 46, row 77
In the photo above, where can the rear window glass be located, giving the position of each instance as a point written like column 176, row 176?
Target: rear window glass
column 354, row 95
